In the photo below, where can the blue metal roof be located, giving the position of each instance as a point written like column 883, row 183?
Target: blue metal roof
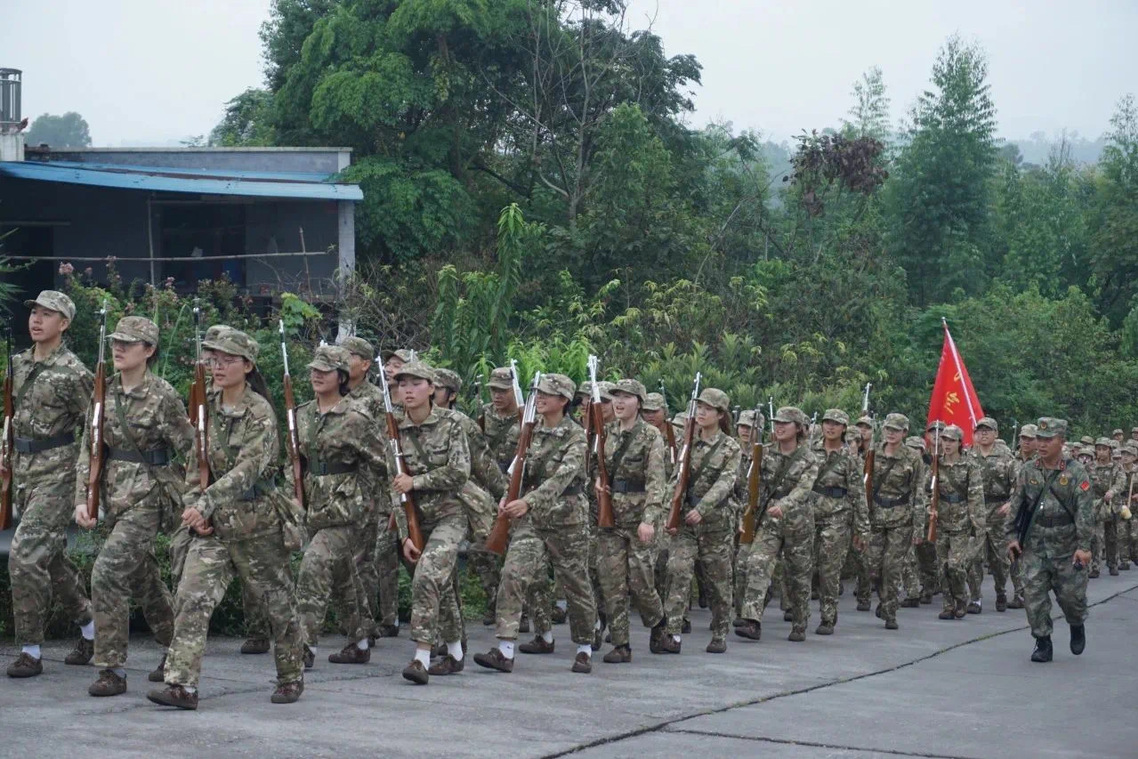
column 196, row 181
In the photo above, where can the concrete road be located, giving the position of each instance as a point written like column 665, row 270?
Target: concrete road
column 931, row 689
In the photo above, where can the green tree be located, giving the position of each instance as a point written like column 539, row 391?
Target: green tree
column 1115, row 215
column 869, row 115
column 938, row 203
column 67, row 131
column 247, row 121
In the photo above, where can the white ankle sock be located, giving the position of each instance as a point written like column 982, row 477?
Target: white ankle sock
column 455, row 650
column 547, row 636
column 423, row 656
column 676, row 638
column 191, row 689
column 32, row 651
column 362, row 644
column 585, row 648
column 597, row 625
column 507, row 648
column 88, row 630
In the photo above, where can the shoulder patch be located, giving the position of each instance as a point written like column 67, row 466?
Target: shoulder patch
column 1086, row 485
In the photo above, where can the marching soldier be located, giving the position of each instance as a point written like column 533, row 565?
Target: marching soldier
column 1051, row 532
column 145, row 427
column 998, row 468
column 51, row 391
column 750, row 423
column 1110, row 482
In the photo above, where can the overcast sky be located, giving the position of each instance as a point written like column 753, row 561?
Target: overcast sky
column 150, row 71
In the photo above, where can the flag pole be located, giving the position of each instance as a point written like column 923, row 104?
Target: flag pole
column 959, row 370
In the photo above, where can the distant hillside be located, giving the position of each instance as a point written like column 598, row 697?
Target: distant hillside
column 1037, row 148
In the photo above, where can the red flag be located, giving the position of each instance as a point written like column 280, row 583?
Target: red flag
column 954, row 400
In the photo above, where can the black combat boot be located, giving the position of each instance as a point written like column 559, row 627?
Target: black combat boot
column 1042, row 652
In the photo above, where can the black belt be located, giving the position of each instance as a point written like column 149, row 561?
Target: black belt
column 573, row 490
column 990, row 499
column 157, row 457
column 1055, row 520
column 834, row 492
column 323, row 469
column 952, row 498
column 254, row 493
column 627, row 486
column 889, row 503
column 39, row 445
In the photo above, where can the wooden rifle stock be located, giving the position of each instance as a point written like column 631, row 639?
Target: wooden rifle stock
column 293, row 430
column 414, row 532
column 98, row 405
column 7, row 442
column 500, row 534
column 867, row 475
column 605, row 516
column 199, row 410
column 683, row 474
column 670, row 436
column 754, row 485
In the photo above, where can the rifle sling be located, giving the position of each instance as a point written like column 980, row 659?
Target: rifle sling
column 24, row 388
column 776, row 481
column 618, row 457
column 693, row 479
column 877, row 481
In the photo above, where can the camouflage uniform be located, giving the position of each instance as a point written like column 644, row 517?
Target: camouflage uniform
column 141, row 490
column 787, row 482
column 496, row 429
column 1061, row 523
column 437, row 457
column 711, row 488
column 638, row 483
column 743, row 550
column 51, row 399
column 998, row 468
column 338, row 448
column 857, row 562
column 554, row 529
column 897, row 508
column 840, row 511
column 961, row 524
column 1017, row 564
column 248, row 539
column 1105, row 478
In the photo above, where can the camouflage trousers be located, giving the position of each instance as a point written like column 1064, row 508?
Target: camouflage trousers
column 832, row 539
column 742, row 556
column 37, row 560
column 1128, row 540
column 888, row 548
column 256, row 623
column 793, row 542
column 1111, row 528
column 955, row 552
column 488, row 568
column 1054, row 571
column 857, row 564
column 386, row 562
column 710, row 547
column 432, row 581
column 330, row 550
column 911, row 576
column 928, row 567
column 992, row 548
column 539, row 599
column 566, row 548
column 126, row 566
column 452, row 621
column 367, row 584
column 211, row 565
column 626, row 567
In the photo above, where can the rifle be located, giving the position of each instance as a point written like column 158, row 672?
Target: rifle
column 412, row 514
column 934, row 497
column 290, row 415
column 500, row 535
column 770, row 408
column 100, row 401
column 669, row 432
column 870, row 454
column 519, row 401
column 683, row 474
column 8, row 440
column 813, row 427
column 199, row 412
column 605, row 516
column 754, row 483
column 1015, row 437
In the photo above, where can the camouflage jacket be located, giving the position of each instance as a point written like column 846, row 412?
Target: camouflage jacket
column 1063, row 519
column 497, row 429
column 999, row 472
column 741, row 479
column 961, row 487
column 555, row 473
column 1110, row 477
column 243, row 451
column 341, row 453
column 368, row 395
column 840, row 470
column 55, row 403
column 641, row 467
column 899, row 498
column 787, row 482
column 437, row 457
column 711, row 484
column 156, row 421
column 484, row 469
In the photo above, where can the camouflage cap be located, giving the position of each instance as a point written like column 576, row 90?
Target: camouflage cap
column 1130, row 449
column 1134, row 429
column 54, row 300
column 716, row 398
column 502, row 378
column 359, row 347
column 330, row 358
column 448, row 379
column 935, row 426
column 1027, row 431
column 915, row 442
column 606, row 389
column 1103, row 441
column 747, row 419
column 215, row 331
column 416, row 369
column 988, row 422
column 1084, row 450
column 135, row 329
column 952, row 432
column 235, row 343
column 866, row 421
column 556, row 384
column 653, row 402
column 836, row 415
column 1114, row 444
column 896, row 421
column 631, row 387
column 1049, row 427
column 1086, row 440
column 680, row 419
column 1117, row 431
column 790, row 414
column 406, row 355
